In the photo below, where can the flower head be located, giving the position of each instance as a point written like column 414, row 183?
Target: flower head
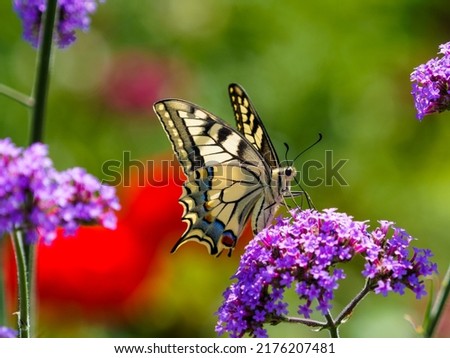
column 37, row 198
column 431, row 84
column 303, row 252
column 86, row 200
column 72, row 15
column 393, row 268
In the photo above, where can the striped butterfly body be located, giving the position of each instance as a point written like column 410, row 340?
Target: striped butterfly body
column 230, row 174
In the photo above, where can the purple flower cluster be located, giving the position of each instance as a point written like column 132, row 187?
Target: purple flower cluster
column 36, row 198
column 72, row 15
column 6, row 332
column 302, row 252
column 431, row 84
column 389, row 265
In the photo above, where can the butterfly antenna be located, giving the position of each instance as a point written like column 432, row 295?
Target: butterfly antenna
column 312, row 145
column 291, row 162
column 286, row 154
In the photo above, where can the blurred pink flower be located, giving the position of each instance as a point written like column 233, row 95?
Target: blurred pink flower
column 135, row 80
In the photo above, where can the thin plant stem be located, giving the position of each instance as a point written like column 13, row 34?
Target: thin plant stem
column 332, row 327
column 23, row 284
column 304, row 321
column 329, row 324
column 40, row 92
column 16, row 96
column 438, row 306
column 3, row 320
column 41, row 84
column 30, row 256
column 347, row 311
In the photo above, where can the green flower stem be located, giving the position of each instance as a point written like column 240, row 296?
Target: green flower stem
column 307, row 322
column 40, row 92
column 42, row 74
column 30, row 254
column 3, row 320
column 438, row 306
column 16, row 96
column 348, row 310
column 332, row 326
column 318, row 325
column 24, row 313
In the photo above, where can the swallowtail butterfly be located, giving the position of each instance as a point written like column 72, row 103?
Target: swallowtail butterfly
column 231, row 174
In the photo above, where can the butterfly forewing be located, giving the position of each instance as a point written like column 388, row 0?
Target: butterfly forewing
column 250, row 124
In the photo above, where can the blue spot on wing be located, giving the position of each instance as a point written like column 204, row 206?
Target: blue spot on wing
column 214, row 228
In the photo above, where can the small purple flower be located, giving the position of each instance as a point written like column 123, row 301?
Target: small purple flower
column 393, row 268
column 86, row 201
column 6, row 332
column 72, row 15
column 36, row 198
column 303, row 252
column 383, row 287
column 431, row 84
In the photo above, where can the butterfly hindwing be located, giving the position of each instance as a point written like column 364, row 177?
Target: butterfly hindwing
column 218, row 201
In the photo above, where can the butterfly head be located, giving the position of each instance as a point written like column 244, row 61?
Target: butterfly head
column 283, row 177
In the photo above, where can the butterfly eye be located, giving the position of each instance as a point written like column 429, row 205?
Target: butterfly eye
column 288, row 171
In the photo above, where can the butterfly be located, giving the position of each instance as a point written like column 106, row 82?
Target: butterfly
column 231, row 174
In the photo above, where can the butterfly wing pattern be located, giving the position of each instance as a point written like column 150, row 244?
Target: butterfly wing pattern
column 251, row 126
column 230, row 174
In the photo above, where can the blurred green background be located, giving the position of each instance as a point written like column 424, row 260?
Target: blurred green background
column 338, row 68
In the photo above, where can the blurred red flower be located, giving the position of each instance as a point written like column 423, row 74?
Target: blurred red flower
column 99, row 272
column 98, row 269
column 150, row 203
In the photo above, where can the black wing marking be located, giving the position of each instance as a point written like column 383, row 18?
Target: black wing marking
column 250, row 125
